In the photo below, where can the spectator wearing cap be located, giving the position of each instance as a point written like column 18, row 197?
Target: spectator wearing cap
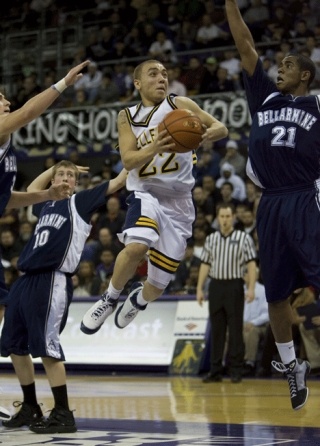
column 234, row 157
column 90, row 82
column 227, row 174
column 209, row 79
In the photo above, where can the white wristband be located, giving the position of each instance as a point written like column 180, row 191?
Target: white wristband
column 60, row 86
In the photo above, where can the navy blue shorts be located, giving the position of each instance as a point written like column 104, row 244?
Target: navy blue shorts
column 288, row 227
column 36, row 315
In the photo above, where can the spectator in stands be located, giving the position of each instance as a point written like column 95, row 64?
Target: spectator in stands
column 104, row 269
column 249, row 222
column 234, row 157
column 170, row 23
column 300, row 30
column 210, row 35
column 233, row 65
column 25, row 232
column 226, row 192
column 192, row 76
column 108, row 90
column 208, row 160
column 29, row 89
column 199, row 237
column 255, row 323
column 133, row 41
column 280, row 18
column 227, row 173
column 10, row 220
column 253, row 195
column 105, row 240
column 174, row 85
column 203, row 203
column 186, row 35
column 80, row 98
column 209, row 80
column 162, row 49
column 257, row 16
column 183, row 272
column 223, row 82
column 89, row 282
column 208, row 184
column 90, row 82
column 113, row 218
column 9, row 245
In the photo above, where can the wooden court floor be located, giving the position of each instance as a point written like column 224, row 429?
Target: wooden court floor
column 145, row 409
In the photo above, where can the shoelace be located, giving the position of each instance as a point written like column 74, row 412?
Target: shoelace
column 287, row 371
column 102, row 308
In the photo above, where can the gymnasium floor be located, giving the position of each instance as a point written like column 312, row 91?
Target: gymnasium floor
column 145, row 410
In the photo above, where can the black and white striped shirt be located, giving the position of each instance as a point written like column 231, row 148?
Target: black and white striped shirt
column 227, row 256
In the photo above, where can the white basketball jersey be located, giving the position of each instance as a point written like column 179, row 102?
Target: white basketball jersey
column 168, row 172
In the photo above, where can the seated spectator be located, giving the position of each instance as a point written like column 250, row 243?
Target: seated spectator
column 223, row 83
column 249, row 222
column 90, row 82
column 280, row 18
column 80, row 99
column 300, row 30
column 185, row 40
column 25, row 232
column 253, row 194
column 89, row 282
column 233, row 65
column 199, row 237
column 104, row 269
column 209, row 34
column 256, row 17
column 105, row 241
column 255, row 323
column 108, row 90
column 113, row 218
column 30, row 88
column 133, row 41
column 179, row 282
column 208, row 160
column 203, row 203
column 227, row 174
column 174, row 85
column 170, row 23
column 192, row 76
column 234, row 157
column 162, row 49
column 10, row 246
column 208, row 184
column 209, row 80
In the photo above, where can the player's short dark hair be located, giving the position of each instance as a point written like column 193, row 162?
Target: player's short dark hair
column 306, row 64
column 138, row 70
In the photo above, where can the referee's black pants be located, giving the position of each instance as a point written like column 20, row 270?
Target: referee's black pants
column 226, row 303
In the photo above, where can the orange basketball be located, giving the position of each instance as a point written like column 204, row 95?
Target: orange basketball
column 185, row 129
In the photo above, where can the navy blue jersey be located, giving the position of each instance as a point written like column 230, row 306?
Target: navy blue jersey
column 61, row 232
column 284, row 143
column 8, row 172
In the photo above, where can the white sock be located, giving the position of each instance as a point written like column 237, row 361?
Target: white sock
column 140, row 300
column 286, row 351
column 113, row 292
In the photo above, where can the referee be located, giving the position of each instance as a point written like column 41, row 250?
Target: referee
column 225, row 255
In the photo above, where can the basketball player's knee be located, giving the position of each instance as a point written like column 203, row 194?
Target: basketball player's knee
column 136, row 251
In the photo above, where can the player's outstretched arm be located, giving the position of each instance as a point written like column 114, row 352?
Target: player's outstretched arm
column 242, row 36
column 22, row 199
column 9, row 122
column 118, row 182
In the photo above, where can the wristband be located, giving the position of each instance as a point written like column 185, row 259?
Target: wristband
column 60, row 86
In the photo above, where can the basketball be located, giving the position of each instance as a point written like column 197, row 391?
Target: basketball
column 185, row 128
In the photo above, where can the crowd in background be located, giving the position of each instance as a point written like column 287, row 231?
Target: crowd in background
column 160, row 30
column 191, row 38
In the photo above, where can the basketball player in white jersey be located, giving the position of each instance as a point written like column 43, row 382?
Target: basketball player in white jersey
column 161, row 212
